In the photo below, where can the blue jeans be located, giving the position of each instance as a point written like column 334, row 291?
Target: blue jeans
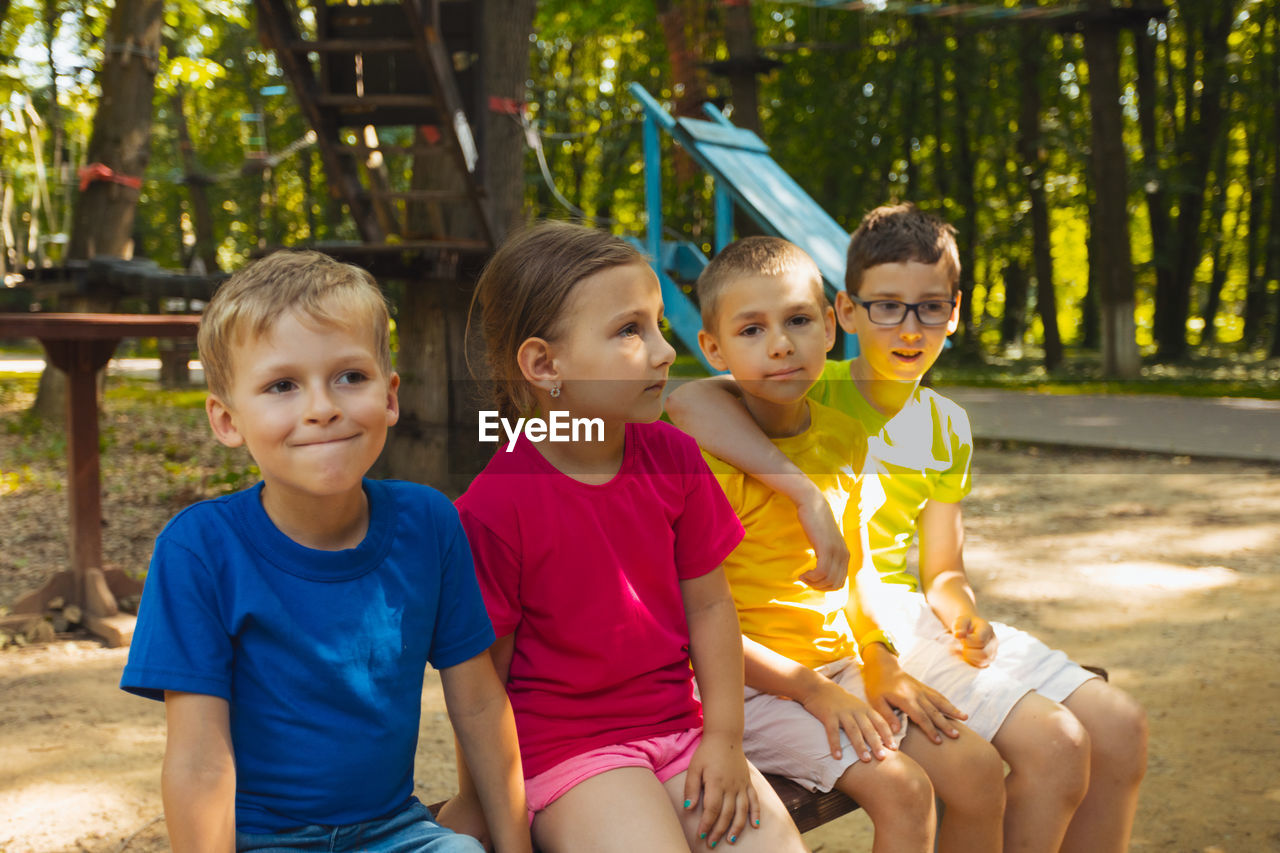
column 409, row 831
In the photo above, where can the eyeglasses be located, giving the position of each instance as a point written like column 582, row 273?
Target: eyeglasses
column 891, row 312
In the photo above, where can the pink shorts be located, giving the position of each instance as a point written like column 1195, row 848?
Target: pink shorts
column 665, row 755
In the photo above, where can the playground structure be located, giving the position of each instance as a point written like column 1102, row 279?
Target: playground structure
column 747, row 178
column 406, row 71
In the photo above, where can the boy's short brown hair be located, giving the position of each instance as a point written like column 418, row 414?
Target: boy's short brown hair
column 250, row 302
column 901, row 233
column 752, row 256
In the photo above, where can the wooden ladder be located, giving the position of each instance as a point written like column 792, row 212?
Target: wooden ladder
column 382, row 82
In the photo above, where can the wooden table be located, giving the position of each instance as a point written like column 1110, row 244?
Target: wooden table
column 80, row 345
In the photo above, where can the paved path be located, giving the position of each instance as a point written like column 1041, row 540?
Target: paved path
column 1229, row 427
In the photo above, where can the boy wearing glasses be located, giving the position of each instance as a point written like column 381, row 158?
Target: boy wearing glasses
column 1075, row 745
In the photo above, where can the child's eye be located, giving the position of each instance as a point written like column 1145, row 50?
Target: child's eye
column 352, row 377
column 801, row 320
column 751, row 331
column 629, row 330
column 281, row 386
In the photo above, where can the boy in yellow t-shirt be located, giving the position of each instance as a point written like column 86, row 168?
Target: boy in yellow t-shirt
column 1075, row 745
column 809, row 714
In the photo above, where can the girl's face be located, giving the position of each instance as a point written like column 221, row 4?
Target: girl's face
column 612, row 358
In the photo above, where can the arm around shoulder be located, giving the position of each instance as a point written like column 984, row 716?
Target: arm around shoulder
column 198, row 780
column 712, row 412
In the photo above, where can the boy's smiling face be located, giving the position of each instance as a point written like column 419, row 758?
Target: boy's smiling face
column 312, row 405
column 773, row 333
column 903, row 352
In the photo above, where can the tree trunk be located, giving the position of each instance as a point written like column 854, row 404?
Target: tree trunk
column 966, row 195
column 1255, row 297
column 740, row 39
column 121, row 136
column 1201, row 134
column 206, row 247
column 103, row 221
column 435, row 439
column 1219, row 246
column 1151, row 174
column 1114, row 261
column 1031, row 46
column 1015, row 304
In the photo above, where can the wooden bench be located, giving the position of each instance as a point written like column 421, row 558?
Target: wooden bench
column 810, row 810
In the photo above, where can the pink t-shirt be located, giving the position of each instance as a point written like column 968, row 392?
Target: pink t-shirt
column 588, row 578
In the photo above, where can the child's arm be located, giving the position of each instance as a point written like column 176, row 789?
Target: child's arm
column 718, row 770
column 486, row 732
column 711, row 411
column 198, row 779
column 833, row 706
column 888, row 686
column 946, row 586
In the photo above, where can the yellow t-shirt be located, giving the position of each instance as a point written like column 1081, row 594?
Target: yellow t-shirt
column 775, row 607
column 920, row 454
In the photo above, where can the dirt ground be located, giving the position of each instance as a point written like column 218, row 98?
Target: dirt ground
column 1162, row 570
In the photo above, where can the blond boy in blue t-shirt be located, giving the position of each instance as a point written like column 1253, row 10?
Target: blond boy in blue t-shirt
column 1075, row 745
column 808, row 714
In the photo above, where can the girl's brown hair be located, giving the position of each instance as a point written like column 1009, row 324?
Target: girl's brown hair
column 523, row 291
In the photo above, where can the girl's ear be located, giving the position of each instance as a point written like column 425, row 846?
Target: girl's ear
column 829, row 326
column 537, row 364
column 222, row 422
column 711, row 349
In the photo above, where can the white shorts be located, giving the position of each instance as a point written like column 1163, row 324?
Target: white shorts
column 928, row 651
column 781, row 737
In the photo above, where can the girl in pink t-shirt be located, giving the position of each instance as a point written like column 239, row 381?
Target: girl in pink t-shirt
column 598, row 542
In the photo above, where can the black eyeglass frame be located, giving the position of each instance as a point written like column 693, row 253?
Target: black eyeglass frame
column 907, row 308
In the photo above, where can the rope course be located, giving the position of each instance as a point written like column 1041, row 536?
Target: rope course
column 990, row 13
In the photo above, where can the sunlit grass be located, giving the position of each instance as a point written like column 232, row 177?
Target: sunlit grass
column 1215, row 375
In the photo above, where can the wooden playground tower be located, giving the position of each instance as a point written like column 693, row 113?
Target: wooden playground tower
column 406, row 71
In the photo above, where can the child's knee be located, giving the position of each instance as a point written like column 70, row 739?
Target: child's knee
column 1061, row 756
column 1119, row 737
column 895, row 788
column 977, row 788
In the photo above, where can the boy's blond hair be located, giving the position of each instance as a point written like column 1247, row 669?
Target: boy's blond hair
column 250, row 302
column 752, row 256
column 897, row 234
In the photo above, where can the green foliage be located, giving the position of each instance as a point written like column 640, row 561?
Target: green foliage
column 864, row 108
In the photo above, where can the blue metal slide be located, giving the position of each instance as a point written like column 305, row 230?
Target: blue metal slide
column 746, row 176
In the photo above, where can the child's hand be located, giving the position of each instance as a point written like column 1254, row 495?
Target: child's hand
column 838, row 709
column 828, row 544
column 719, row 773
column 889, row 686
column 464, row 816
column 977, row 640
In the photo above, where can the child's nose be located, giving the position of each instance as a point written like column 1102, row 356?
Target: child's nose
column 321, row 407
column 663, row 352
column 781, row 344
column 910, row 328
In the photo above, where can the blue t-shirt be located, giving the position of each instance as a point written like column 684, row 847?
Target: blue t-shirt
column 321, row 654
